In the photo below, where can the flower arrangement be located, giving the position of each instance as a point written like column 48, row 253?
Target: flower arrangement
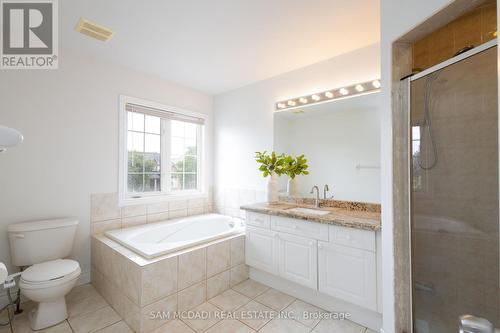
column 295, row 166
column 270, row 163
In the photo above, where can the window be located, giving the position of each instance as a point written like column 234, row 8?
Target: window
column 161, row 151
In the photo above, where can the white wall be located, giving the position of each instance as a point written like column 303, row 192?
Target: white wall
column 69, row 118
column 397, row 18
column 244, row 117
column 335, row 138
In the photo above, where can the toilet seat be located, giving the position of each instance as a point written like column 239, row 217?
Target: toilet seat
column 50, row 273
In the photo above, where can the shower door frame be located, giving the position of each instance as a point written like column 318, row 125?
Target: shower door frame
column 405, row 95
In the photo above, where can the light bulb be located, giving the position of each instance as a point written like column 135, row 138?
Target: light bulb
column 344, row 91
column 303, row 100
column 281, row 105
column 329, row 94
column 359, row 88
column 376, row 84
column 315, row 97
column 291, row 103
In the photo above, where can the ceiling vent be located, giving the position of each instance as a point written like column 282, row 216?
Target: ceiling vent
column 94, row 30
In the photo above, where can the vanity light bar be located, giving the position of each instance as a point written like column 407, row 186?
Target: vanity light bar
column 344, row 92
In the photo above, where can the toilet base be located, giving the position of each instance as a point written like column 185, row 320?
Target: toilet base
column 48, row 314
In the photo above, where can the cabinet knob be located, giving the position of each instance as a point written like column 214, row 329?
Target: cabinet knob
column 320, row 246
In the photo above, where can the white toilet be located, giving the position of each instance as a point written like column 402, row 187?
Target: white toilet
column 42, row 245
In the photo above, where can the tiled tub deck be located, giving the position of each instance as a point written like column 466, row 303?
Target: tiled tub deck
column 136, row 287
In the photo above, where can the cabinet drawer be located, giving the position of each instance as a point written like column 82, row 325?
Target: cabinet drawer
column 301, row 228
column 258, row 220
column 355, row 238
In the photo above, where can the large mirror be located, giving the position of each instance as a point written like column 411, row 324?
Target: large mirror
column 341, row 141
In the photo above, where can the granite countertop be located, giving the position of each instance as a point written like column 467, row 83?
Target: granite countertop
column 337, row 216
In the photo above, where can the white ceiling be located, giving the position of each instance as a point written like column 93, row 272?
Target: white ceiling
column 219, row 45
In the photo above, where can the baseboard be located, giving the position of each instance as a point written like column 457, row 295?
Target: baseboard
column 362, row 316
column 4, row 299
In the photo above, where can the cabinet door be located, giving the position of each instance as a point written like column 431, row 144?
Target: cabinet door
column 348, row 273
column 261, row 249
column 298, row 260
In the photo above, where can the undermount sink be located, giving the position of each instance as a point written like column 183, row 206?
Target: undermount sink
column 310, row 211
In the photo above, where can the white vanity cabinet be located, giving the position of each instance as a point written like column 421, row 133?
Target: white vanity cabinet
column 335, row 260
column 348, row 273
column 298, row 259
column 261, row 249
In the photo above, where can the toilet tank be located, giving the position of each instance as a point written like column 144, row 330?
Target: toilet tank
column 38, row 241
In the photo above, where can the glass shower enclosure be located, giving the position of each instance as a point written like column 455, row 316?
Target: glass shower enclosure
column 454, row 193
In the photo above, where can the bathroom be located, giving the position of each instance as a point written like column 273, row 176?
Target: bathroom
column 138, row 178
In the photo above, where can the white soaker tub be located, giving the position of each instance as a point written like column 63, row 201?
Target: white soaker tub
column 156, row 239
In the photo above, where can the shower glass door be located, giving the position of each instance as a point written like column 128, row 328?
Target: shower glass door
column 454, row 194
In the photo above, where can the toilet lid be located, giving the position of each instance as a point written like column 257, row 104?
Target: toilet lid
column 50, row 270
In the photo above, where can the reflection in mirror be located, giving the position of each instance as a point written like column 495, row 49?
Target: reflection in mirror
column 341, row 141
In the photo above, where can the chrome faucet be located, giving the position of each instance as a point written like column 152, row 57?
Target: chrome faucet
column 316, row 201
column 325, row 190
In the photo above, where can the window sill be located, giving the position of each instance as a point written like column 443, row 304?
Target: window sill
column 151, row 199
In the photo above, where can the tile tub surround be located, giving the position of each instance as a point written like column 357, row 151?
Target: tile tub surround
column 135, row 287
column 337, row 216
column 107, row 215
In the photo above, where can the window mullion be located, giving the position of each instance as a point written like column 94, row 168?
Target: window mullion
column 165, row 155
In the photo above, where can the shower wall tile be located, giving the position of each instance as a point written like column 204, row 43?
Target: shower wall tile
column 473, row 28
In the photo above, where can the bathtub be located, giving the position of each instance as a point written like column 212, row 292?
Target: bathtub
column 160, row 238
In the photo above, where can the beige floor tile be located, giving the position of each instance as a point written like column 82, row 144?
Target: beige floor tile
column 4, row 318
column 229, row 300
column 338, row 326
column 175, row 326
column 21, row 325
column 80, row 307
column 230, row 326
column 202, row 324
column 119, row 327
column 94, row 321
column 81, row 292
column 250, row 288
column 284, row 326
column 275, row 299
column 305, row 313
column 255, row 315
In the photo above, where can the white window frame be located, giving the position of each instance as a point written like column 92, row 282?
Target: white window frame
column 124, row 197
